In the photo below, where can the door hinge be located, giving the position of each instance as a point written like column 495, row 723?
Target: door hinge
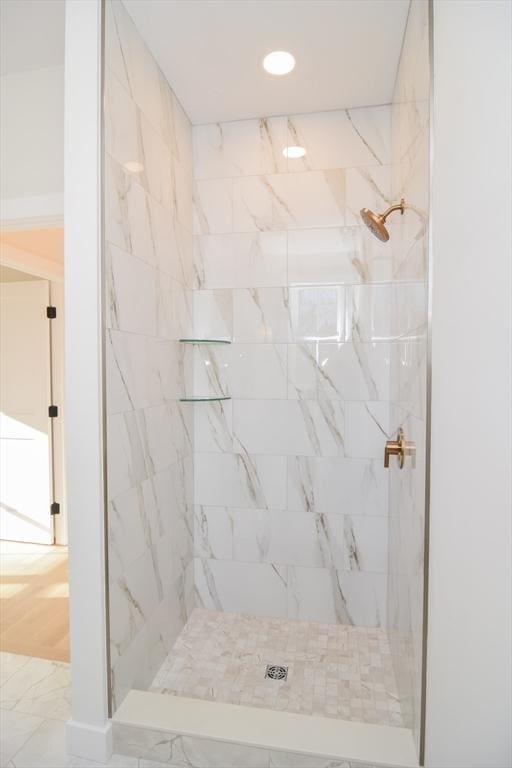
column 53, row 411
column 55, row 508
column 51, row 313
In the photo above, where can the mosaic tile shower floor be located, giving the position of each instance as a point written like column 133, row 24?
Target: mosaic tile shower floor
column 333, row 670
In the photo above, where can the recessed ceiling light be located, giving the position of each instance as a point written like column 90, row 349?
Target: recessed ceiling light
column 278, row 62
column 133, row 166
column 294, row 152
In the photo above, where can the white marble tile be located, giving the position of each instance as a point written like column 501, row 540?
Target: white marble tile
column 213, row 206
column 346, row 371
column 326, row 256
column 39, row 687
column 240, row 148
column 15, row 729
column 261, row 315
column 240, row 480
column 387, row 312
column 9, row 664
column 318, row 313
column 367, row 187
column 257, row 371
column 131, row 293
column 260, row 259
column 133, row 63
column 328, row 596
column 341, row 138
column 289, row 426
column 213, row 532
column 365, row 543
column 213, row 427
column 337, row 485
column 289, row 201
column 133, row 375
column 129, row 530
column 174, row 309
column 213, row 314
column 368, row 426
column 256, row 588
column 185, row 751
column 210, row 369
column 125, row 460
column 287, row 538
column 122, row 137
column 214, row 261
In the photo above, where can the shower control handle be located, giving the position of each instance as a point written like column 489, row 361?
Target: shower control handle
column 400, row 448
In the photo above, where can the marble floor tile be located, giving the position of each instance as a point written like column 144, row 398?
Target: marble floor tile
column 39, row 687
column 333, row 670
column 15, row 729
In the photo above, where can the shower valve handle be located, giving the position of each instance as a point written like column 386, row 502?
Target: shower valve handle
column 400, row 448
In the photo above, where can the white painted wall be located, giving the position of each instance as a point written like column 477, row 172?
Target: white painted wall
column 31, row 138
column 89, row 731
column 469, row 649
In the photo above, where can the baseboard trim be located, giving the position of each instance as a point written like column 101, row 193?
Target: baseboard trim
column 89, row 741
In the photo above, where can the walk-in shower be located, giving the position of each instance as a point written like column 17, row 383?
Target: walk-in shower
column 262, row 348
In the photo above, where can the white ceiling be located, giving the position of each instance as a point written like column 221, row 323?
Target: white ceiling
column 32, row 35
column 347, row 53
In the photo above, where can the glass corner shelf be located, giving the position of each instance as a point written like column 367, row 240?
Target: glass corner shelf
column 213, row 399
column 205, row 341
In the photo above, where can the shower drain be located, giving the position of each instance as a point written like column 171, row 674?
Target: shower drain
column 275, row 672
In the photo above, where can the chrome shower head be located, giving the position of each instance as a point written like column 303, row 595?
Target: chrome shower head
column 376, row 221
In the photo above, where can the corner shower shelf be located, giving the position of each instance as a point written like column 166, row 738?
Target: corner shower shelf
column 204, row 399
column 205, row 341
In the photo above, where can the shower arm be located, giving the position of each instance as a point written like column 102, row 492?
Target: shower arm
column 397, row 207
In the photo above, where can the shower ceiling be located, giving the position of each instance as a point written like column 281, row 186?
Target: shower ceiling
column 211, row 51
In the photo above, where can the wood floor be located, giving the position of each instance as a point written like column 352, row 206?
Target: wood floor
column 34, row 600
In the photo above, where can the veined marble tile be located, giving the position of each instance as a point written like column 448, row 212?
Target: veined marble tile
column 167, row 434
column 132, row 63
column 325, row 256
column 213, row 206
column 9, row 664
column 289, row 201
column 125, row 458
column 122, row 130
column 344, row 597
column 388, row 311
column 213, row 532
column 318, row 313
column 132, row 372
column 133, row 599
column 40, row 687
column 256, row 259
column 240, row 480
column 15, row 729
column 240, row 148
column 213, row 314
column 365, row 540
column 256, row 588
column 261, row 315
column 367, row 187
column 129, row 530
column 287, row 538
column 210, row 369
column 346, row 371
column 310, row 428
column 186, row 751
column 131, row 293
column 337, row 485
column 213, row 427
column 257, row 371
column 368, row 426
column 341, row 138
column 174, row 309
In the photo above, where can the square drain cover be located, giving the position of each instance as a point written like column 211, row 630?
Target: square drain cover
column 275, row 672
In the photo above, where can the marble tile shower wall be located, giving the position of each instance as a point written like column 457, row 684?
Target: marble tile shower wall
column 148, row 261
column 291, row 497
column 410, row 179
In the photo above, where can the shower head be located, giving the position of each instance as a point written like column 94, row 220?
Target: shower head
column 376, row 221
